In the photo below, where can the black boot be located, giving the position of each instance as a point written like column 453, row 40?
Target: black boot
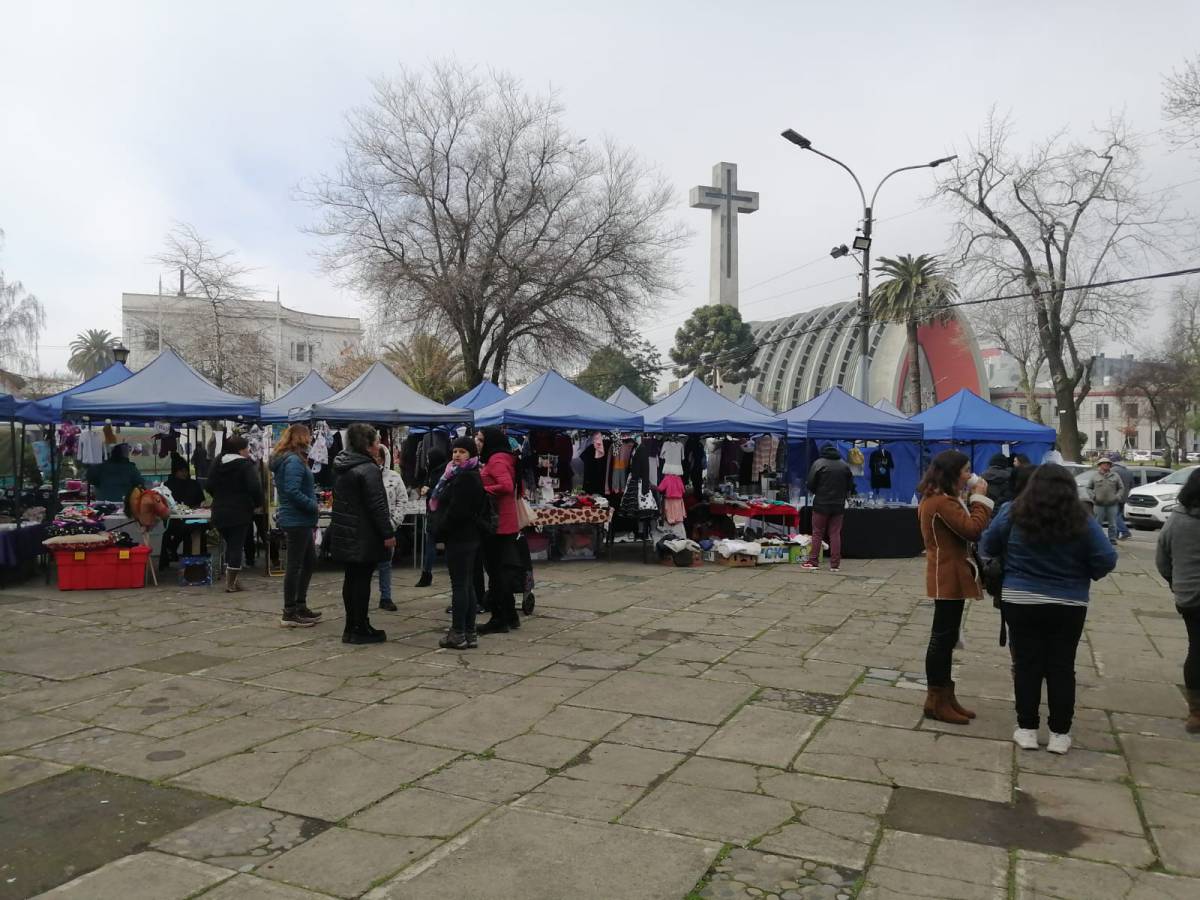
column 453, row 640
column 497, row 624
column 365, row 634
column 425, row 580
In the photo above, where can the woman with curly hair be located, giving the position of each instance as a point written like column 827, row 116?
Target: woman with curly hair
column 951, row 521
column 1052, row 551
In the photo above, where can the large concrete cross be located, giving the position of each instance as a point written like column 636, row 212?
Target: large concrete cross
column 725, row 201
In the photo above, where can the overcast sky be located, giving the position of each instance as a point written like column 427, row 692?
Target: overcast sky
column 119, row 118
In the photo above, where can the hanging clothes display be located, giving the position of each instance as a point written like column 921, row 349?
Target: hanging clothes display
column 881, row 465
column 671, row 454
column 764, row 454
column 595, row 464
column 620, row 466
column 855, row 458
column 89, row 447
column 671, row 487
column 694, row 458
column 746, row 474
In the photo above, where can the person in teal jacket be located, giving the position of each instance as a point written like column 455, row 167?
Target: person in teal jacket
column 296, row 516
column 113, row 479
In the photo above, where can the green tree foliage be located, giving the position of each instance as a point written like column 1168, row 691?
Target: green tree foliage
column 91, row 352
column 715, row 339
column 634, row 363
column 915, row 292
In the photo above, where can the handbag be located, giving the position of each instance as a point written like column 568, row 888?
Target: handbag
column 526, row 517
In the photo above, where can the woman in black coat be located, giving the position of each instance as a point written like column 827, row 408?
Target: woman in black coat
column 457, row 504
column 237, row 491
column 360, row 535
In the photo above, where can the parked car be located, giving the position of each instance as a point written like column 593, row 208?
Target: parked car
column 1193, row 456
column 1146, row 506
column 1141, row 456
column 1076, row 469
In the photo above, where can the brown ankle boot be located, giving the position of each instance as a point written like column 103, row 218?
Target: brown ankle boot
column 958, row 707
column 1192, row 726
column 930, row 703
column 941, row 709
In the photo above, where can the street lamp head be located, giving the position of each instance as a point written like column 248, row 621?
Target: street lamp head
column 798, row 139
column 944, row 159
column 839, row 251
column 120, row 353
column 862, row 243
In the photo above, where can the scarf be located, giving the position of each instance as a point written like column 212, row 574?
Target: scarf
column 452, row 469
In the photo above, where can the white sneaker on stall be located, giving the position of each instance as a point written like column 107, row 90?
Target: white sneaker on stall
column 1026, row 738
column 1059, row 743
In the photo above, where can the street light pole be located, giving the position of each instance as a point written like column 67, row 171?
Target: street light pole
column 863, row 244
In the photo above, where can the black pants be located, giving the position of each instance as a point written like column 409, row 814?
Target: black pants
column 234, row 537
column 1044, row 637
column 356, row 592
column 301, row 555
column 939, row 656
column 500, row 557
column 460, row 560
column 1191, row 665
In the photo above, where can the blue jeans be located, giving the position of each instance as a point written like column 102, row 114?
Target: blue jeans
column 385, row 579
column 1122, row 526
column 1106, row 515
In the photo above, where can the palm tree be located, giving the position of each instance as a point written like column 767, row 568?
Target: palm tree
column 428, row 365
column 915, row 292
column 91, row 352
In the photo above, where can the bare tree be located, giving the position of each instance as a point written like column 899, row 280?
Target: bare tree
column 1066, row 214
column 1012, row 327
column 1181, row 103
column 22, row 319
column 224, row 339
column 463, row 204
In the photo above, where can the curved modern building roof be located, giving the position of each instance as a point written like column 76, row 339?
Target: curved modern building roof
column 804, row 354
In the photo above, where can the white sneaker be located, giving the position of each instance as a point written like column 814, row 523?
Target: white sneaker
column 1027, row 738
column 1059, row 743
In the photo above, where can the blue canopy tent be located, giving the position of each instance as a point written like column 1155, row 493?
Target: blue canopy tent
column 483, row 394
column 836, row 417
column 889, row 407
column 966, row 421
column 8, row 407
column 167, row 390
column 746, row 401
column 627, row 400
column 379, row 396
column 312, row 389
column 50, row 409
column 550, row 401
column 696, row 408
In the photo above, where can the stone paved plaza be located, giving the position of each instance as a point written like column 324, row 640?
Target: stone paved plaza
column 651, row 733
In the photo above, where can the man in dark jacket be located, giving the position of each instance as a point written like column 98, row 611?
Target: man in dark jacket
column 237, row 492
column 999, row 478
column 360, row 535
column 113, row 479
column 830, row 482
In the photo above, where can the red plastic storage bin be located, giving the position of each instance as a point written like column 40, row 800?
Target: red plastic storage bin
column 98, row 570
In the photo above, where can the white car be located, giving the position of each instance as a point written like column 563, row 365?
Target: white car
column 1145, row 507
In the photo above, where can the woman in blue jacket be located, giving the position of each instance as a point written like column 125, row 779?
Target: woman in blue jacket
column 1052, row 551
column 297, row 518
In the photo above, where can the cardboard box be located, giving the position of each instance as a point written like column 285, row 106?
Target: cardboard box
column 738, row 560
column 773, row 553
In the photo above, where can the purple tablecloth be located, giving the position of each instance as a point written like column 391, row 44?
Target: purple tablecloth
column 18, row 545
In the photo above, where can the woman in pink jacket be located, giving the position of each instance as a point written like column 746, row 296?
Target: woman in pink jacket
column 500, row 556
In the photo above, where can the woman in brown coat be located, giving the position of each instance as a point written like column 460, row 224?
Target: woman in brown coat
column 949, row 526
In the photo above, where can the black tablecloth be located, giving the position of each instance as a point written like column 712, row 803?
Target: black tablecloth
column 879, row 533
column 18, row 545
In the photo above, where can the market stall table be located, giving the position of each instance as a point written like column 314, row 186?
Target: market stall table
column 20, row 543
column 752, row 510
column 593, row 517
column 883, row 532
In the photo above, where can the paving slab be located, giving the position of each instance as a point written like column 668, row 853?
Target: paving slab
column 750, row 873
column 416, row 812
column 689, row 699
column 568, row 796
column 18, row 771
column 661, row 734
column 1041, row 877
column 489, row 780
column 345, row 862
column 726, row 816
column 758, row 734
column 576, row 859
column 622, row 764
column 910, row 865
column 250, row 887
column 240, row 838
column 145, row 876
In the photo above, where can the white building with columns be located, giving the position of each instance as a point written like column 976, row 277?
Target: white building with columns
column 292, row 342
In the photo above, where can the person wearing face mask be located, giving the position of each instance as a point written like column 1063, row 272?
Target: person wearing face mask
column 457, row 503
column 950, row 525
column 236, row 491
